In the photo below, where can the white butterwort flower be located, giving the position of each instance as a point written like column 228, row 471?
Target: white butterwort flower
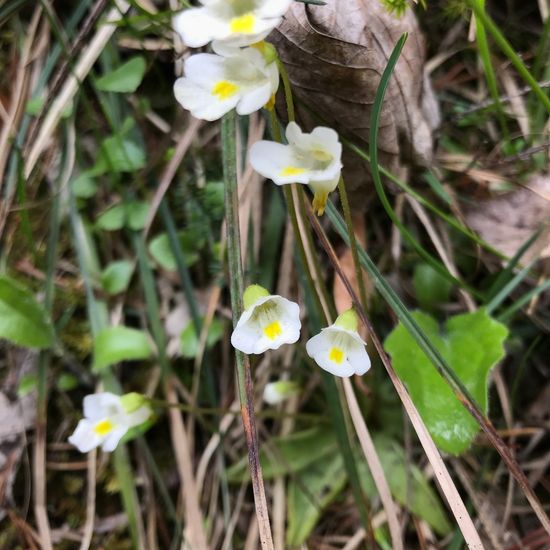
column 214, row 84
column 339, row 349
column 313, row 159
column 107, row 417
column 277, row 392
column 268, row 322
column 236, row 22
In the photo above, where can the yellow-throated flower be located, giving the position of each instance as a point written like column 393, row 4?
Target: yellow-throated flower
column 107, row 417
column 236, row 22
column 268, row 322
column 213, row 84
column 313, row 159
column 339, row 349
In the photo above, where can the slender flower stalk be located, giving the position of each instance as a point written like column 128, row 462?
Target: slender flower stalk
column 244, row 375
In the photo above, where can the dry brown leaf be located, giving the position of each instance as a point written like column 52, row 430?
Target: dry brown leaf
column 507, row 221
column 335, row 55
column 17, row 415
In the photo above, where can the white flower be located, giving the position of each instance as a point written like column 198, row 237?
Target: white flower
column 313, row 159
column 268, row 322
column 107, row 417
column 236, row 22
column 215, row 84
column 277, row 392
column 339, row 349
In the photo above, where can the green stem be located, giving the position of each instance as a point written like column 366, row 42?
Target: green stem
column 244, row 375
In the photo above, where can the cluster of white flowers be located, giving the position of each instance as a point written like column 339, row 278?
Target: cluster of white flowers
column 269, row 321
column 242, row 74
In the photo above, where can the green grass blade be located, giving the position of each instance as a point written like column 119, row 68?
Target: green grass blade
column 508, row 288
column 526, row 298
column 510, row 53
column 504, row 276
column 373, row 153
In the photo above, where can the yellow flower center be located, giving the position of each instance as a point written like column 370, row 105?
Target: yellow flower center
column 292, row 171
column 336, row 355
column 224, row 89
column 243, row 24
column 103, row 427
column 273, row 330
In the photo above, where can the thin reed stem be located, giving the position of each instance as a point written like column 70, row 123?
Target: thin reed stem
column 236, row 284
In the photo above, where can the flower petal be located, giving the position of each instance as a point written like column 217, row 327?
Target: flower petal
column 84, row 438
column 359, row 359
column 99, row 405
column 271, row 160
column 245, row 336
column 139, row 416
column 274, row 8
column 112, row 440
column 254, row 100
column 197, row 27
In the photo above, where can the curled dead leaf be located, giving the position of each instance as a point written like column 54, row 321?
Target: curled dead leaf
column 335, row 55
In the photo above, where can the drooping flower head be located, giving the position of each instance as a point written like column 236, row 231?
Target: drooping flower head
column 213, row 84
column 107, row 417
column 339, row 349
column 268, row 321
column 235, row 22
column 313, row 159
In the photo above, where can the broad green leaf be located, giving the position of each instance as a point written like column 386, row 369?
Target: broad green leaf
column 112, row 219
column 407, row 484
column 22, row 319
column 310, row 492
column 159, row 248
column 116, row 276
column 118, row 154
column 136, row 215
column 471, row 344
column 190, row 342
column 123, row 79
column 84, row 186
column 430, row 287
column 287, row 455
column 115, row 344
